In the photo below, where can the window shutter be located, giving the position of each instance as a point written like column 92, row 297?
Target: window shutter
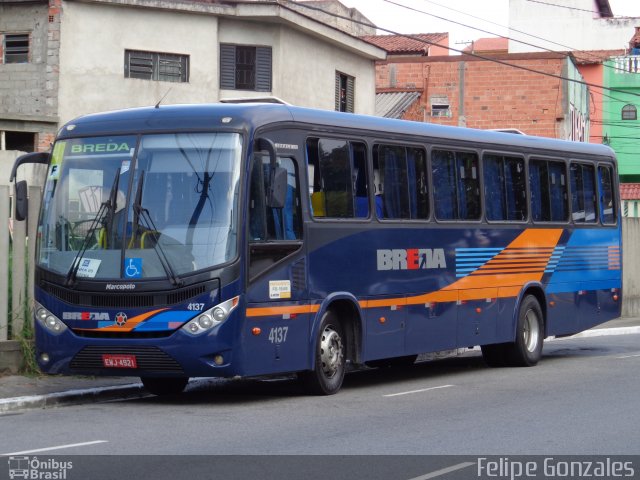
column 263, row 69
column 350, row 94
column 337, row 91
column 227, row 67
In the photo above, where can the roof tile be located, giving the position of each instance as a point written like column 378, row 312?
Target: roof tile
column 400, row 44
column 630, row 191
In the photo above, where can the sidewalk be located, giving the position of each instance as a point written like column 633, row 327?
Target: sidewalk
column 21, row 393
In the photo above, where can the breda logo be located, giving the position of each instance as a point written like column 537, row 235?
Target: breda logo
column 411, row 259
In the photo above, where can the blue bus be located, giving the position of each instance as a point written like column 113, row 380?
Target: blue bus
column 258, row 239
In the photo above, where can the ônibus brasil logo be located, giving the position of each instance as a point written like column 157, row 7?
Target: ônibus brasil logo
column 34, row 469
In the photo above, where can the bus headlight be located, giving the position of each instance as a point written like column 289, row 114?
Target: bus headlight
column 48, row 320
column 211, row 318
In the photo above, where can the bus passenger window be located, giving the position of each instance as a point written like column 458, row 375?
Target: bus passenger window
column 337, row 178
column 401, row 182
column 583, row 200
column 608, row 210
column 505, row 188
column 456, row 188
column 548, row 186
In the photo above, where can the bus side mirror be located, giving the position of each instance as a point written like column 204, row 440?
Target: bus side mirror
column 277, row 193
column 21, row 201
column 36, row 157
column 277, row 187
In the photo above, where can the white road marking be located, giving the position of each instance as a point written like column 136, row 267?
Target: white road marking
column 417, row 391
column 59, row 447
column 444, row 471
column 629, row 356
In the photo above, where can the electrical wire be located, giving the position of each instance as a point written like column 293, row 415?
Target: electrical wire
column 572, row 49
column 474, row 55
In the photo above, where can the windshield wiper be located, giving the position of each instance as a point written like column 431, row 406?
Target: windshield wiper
column 106, row 209
column 141, row 213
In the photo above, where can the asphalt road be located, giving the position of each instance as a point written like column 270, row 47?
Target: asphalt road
column 583, row 398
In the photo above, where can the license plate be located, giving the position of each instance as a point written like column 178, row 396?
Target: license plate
column 119, row 361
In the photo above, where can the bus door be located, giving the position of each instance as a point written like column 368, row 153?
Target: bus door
column 276, row 332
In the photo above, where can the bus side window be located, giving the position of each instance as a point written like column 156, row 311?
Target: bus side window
column 548, row 186
column 583, row 202
column 456, row 187
column 504, row 188
column 337, row 178
column 400, row 175
column 608, row 212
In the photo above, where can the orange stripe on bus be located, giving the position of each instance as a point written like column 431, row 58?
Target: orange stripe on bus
column 274, row 311
column 131, row 322
column 538, row 243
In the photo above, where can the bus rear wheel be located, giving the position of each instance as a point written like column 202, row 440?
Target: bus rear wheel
column 327, row 376
column 526, row 351
column 164, row 385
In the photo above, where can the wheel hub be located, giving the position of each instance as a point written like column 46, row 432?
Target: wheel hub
column 531, row 330
column 331, row 351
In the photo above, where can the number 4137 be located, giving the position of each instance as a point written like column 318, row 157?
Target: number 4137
column 278, row 334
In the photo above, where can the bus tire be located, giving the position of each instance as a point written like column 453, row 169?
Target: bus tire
column 526, row 351
column 164, row 385
column 327, row 376
column 495, row 355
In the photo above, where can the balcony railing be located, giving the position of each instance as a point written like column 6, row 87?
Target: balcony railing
column 627, row 64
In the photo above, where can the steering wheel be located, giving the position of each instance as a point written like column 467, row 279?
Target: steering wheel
column 78, row 231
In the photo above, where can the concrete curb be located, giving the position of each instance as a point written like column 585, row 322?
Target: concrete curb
column 136, row 390
column 603, row 332
column 72, row 397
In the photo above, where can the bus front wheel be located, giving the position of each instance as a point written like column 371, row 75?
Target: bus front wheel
column 164, row 385
column 327, row 376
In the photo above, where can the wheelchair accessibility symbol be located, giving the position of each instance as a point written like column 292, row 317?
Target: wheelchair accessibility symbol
column 133, row 267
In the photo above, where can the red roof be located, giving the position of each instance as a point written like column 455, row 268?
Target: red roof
column 586, row 57
column 630, row 191
column 488, row 45
column 399, row 44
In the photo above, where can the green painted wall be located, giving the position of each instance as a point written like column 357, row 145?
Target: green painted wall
column 623, row 135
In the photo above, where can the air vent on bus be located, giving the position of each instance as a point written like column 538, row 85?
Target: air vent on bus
column 149, row 359
column 130, row 300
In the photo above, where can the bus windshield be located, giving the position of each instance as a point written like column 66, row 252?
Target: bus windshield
column 132, row 207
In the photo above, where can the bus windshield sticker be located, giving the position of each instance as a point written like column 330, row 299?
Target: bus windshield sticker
column 56, row 160
column 125, row 167
column 133, row 267
column 88, row 267
column 279, row 289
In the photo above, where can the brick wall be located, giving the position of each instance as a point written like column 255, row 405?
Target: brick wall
column 29, row 91
column 494, row 95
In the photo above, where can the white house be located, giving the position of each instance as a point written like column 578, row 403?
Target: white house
column 64, row 58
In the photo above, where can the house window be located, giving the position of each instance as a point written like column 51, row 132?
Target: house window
column 345, row 92
column 165, row 67
column 16, row 48
column 440, row 107
column 629, row 112
column 245, row 67
column 22, row 141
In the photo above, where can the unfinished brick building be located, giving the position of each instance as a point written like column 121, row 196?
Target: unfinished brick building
column 497, row 91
